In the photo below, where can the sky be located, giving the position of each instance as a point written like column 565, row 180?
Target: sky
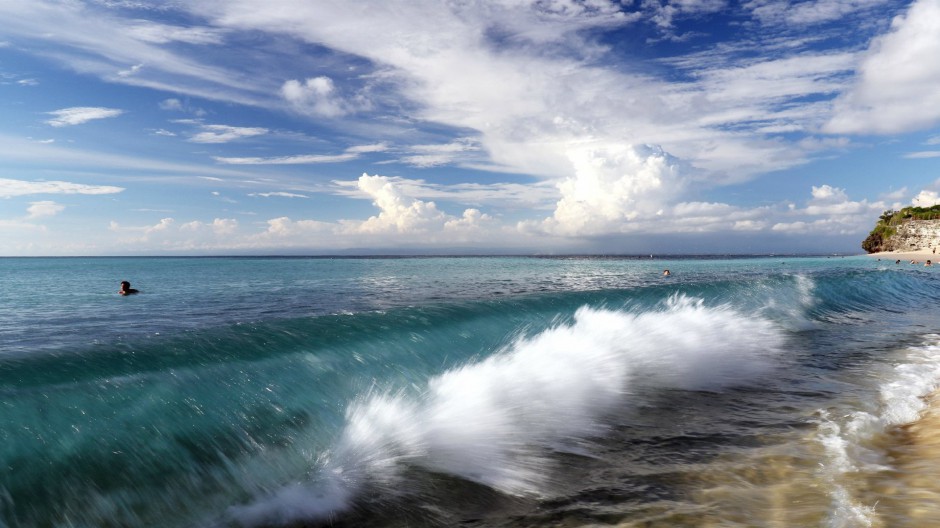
column 228, row 127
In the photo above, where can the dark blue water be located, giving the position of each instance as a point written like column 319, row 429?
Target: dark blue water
column 475, row 391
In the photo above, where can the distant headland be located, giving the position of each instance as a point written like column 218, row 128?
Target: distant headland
column 912, row 229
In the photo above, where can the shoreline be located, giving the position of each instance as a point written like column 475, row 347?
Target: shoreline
column 920, row 256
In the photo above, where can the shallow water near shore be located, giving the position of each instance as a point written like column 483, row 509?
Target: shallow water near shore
column 483, row 391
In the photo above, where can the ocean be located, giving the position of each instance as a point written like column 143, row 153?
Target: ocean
column 471, row 391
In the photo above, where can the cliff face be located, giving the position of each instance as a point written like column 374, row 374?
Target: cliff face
column 913, row 235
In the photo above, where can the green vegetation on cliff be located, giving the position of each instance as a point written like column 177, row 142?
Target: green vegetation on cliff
column 888, row 222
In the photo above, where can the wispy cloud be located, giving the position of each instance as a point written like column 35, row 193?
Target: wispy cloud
column 80, row 114
column 278, row 194
column 349, row 154
column 44, row 208
column 225, row 133
column 924, row 154
column 9, row 187
column 440, row 154
column 156, row 33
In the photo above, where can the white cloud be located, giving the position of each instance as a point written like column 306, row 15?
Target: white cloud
column 530, row 105
column 803, row 13
column 926, row 198
column 441, row 154
column 171, row 104
column 284, row 227
column 896, row 195
column 80, row 114
column 225, row 133
column 218, row 227
column 612, row 186
column 317, row 96
column 472, row 219
column 399, row 213
column 830, row 211
column 44, row 208
column 132, row 71
column 924, row 154
column 163, row 34
column 663, row 12
column 896, row 89
column 539, row 195
column 9, row 187
column 349, row 154
column 279, row 194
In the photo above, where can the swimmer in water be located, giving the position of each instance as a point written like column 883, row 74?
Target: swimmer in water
column 126, row 288
column 666, row 273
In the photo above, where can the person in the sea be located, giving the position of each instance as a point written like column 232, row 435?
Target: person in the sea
column 928, row 263
column 126, row 288
column 666, row 273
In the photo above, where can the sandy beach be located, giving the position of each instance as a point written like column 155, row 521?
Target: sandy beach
column 920, row 256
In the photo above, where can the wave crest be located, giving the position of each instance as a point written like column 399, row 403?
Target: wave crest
column 496, row 422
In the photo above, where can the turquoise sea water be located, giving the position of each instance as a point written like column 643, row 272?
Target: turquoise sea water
column 465, row 391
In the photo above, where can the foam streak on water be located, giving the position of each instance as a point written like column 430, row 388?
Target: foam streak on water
column 850, row 442
column 495, row 422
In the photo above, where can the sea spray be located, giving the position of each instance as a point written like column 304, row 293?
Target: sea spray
column 497, row 421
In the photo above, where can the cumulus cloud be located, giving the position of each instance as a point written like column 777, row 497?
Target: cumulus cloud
column 399, row 213
column 828, row 200
column 613, row 185
column 896, row 87
column 168, row 234
column 225, row 133
column 9, row 187
column 219, row 226
column 80, row 114
column 830, row 211
column 926, row 198
column 299, row 230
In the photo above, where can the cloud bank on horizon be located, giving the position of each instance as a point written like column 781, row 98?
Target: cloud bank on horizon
column 218, row 126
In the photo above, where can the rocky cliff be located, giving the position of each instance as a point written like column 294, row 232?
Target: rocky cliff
column 913, row 235
column 910, row 229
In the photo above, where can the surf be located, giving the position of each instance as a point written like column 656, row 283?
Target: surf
column 498, row 421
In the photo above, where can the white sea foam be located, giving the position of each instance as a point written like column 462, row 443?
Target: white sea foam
column 847, row 446
column 493, row 422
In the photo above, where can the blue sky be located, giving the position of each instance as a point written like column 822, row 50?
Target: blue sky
column 521, row 126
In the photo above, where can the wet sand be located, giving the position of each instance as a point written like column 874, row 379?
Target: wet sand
column 910, row 491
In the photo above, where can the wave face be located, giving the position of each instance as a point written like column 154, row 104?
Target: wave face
column 440, row 391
